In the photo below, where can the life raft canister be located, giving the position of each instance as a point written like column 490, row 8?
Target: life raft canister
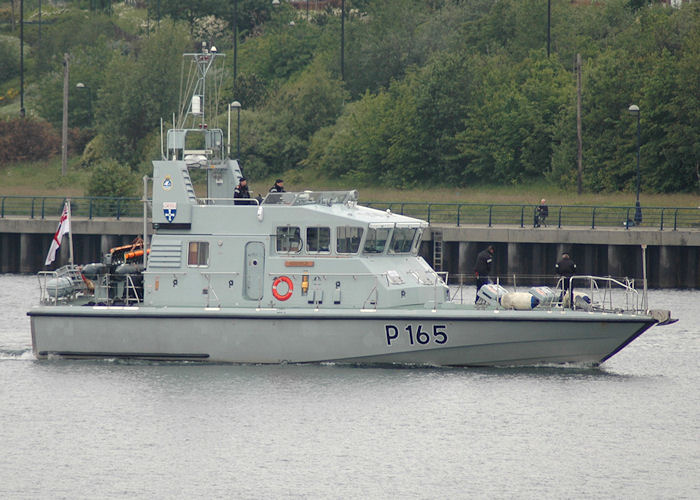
column 290, row 288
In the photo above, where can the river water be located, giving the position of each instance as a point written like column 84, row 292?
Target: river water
column 112, row 429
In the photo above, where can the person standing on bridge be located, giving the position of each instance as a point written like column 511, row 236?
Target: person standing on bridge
column 482, row 268
column 278, row 187
column 241, row 193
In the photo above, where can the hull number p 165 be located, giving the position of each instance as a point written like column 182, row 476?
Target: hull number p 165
column 416, row 334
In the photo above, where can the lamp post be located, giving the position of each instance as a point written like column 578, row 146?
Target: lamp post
column 634, row 109
column 237, row 106
column 235, row 44
column 342, row 40
column 549, row 24
column 22, row 111
column 80, row 86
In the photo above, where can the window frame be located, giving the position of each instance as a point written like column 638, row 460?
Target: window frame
column 359, row 229
column 280, row 238
column 319, row 230
column 201, row 249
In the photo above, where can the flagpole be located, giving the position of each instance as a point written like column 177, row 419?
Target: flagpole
column 70, row 233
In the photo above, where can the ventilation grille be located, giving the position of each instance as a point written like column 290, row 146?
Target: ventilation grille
column 165, row 255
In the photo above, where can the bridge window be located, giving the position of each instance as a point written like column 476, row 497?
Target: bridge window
column 318, row 239
column 198, row 253
column 288, row 239
column 417, row 242
column 348, row 239
column 402, row 239
column 376, row 240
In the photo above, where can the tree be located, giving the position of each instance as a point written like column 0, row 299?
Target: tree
column 138, row 92
column 9, row 58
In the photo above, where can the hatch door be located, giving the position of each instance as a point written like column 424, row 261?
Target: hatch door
column 254, row 270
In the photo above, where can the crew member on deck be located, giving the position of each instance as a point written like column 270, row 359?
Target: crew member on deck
column 241, row 193
column 482, row 269
column 278, row 187
column 566, row 268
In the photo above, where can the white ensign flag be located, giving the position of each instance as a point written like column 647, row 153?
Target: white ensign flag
column 63, row 228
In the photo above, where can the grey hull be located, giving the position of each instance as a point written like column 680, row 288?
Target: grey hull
column 475, row 338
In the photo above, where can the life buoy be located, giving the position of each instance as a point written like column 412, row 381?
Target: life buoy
column 290, row 288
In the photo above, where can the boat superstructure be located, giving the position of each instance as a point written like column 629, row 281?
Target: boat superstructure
column 301, row 277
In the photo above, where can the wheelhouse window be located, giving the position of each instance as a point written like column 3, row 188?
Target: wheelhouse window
column 198, row 253
column 288, row 239
column 417, row 241
column 318, row 239
column 348, row 239
column 376, row 239
column 402, row 239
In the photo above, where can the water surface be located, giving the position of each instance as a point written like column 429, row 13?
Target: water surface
column 114, row 429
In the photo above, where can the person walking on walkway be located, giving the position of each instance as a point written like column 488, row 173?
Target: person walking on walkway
column 541, row 214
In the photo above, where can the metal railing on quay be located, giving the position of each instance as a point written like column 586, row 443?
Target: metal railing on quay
column 50, row 207
column 657, row 218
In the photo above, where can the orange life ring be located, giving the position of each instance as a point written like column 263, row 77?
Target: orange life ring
column 290, row 287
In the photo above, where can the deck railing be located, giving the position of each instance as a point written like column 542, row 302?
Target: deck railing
column 460, row 214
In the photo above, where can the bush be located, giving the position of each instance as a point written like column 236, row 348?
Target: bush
column 9, row 58
column 27, row 139
column 113, row 179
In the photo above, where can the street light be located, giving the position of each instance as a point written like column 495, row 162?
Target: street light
column 235, row 44
column 237, row 106
column 634, row 109
column 342, row 40
column 81, row 86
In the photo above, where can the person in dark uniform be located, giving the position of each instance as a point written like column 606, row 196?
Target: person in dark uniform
column 241, row 193
column 482, row 269
column 278, row 187
column 541, row 213
column 566, row 268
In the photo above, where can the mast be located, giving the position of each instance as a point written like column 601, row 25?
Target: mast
column 70, row 234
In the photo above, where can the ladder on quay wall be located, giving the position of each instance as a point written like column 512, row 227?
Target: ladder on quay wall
column 437, row 250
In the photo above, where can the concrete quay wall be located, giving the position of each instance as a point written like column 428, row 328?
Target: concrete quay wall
column 673, row 257
column 24, row 243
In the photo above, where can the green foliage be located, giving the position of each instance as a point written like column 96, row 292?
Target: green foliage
column 137, row 92
column 382, row 50
column 443, row 92
column 9, row 58
column 250, row 12
column 278, row 136
column 70, row 31
column 93, row 153
column 282, row 53
column 111, row 178
column 86, row 67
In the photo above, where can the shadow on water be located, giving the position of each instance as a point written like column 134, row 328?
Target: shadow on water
column 558, row 371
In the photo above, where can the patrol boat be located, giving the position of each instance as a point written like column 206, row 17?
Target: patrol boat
column 302, row 277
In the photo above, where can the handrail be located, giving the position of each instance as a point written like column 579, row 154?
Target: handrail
column 591, row 216
column 90, row 207
column 486, row 214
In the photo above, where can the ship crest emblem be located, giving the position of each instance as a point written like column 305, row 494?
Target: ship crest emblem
column 169, row 210
column 167, row 183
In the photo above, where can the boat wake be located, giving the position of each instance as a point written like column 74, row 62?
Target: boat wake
column 16, row 354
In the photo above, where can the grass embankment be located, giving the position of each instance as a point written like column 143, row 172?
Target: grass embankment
column 45, row 179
